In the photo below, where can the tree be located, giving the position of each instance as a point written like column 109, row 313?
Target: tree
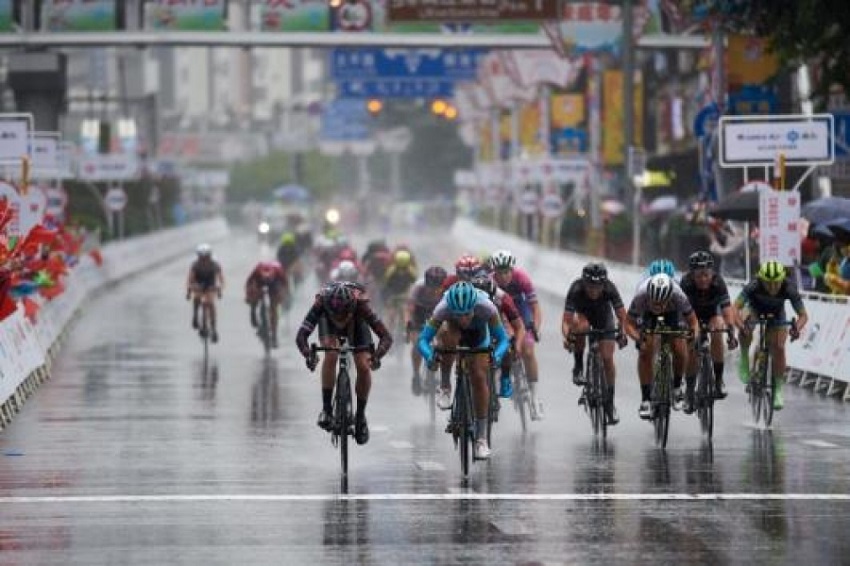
column 798, row 31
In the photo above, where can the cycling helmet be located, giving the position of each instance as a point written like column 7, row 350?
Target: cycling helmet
column 435, row 275
column 771, row 271
column 502, row 259
column 594, row 273
column 662, row 266
column 346, row 254
column 288, row 239
column 267, row 268
column 484, row 283
column 347, row 271
column 402, row 258
column 203, row 250
column 701, row 260
column 660, row 288
column 461, row 297
column 339, row 298
column 467, row 266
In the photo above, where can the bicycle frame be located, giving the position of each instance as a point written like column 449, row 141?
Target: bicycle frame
column 661, row 398
column 761, row 387
column 342, row 414
column 462, row 418
column 595, row 391
column 266, row 331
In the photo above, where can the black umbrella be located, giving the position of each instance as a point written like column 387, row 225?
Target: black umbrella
column 825, row 210
column 742, row 206
column 821, row 232
column 841, row 228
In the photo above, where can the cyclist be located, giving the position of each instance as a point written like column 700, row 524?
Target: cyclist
column 205, row 280
column 466, row 267
column 267, row 275
column 375, row 262
column 589, row 304
column 288, row 255
column 659, row 296
column 399, row 278
column 470, row 320
column 518, row 285
column 342, row 309
column 656, row 266
column 512, row 322
column 346, row 271
column 706, row 290
column 766, row 295
column 421, row 301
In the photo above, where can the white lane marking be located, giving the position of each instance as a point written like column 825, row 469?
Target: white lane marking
column 820, row 444
column 455, row 494
column 401, row 444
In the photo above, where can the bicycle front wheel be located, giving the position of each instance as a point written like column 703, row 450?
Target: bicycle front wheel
column 767, row 400
column 521, row 393
column 342, row 419
column 705, row 396
column 758, row 389
column 466, row 434
column 594, row 399
column 662, row 400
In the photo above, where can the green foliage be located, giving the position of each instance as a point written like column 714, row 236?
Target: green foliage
column 256, row 179
column 801, row 31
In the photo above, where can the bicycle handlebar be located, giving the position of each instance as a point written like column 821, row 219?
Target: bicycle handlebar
column 314, row 348
column 593, row 332
column 464, row 350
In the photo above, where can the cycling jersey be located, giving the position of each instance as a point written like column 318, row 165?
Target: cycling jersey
column 287, row 255
column 423, row 300
column 598, row 312
column 521, row 290
column 678, row 307
column 485, row 319
column 205, row 273
column 754, row 295
column 355, row 327
column 505, row 304
column 706, row 303
column 397, row 281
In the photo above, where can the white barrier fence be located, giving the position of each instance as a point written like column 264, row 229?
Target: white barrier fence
column 27, row 349
column 820, row 359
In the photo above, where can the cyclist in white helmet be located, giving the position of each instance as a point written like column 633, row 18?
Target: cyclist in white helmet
column 204, row 282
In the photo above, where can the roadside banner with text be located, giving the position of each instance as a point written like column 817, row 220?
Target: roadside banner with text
column 294, row 15
column 779, row 226
column 78, row 15
column 208, row 15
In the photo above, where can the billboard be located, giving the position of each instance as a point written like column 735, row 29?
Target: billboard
column 208, row 15
column 78, row 15
column 294, row 15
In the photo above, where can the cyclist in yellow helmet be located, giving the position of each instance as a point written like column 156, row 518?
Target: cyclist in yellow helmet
column 398, row 279
column 766, row 295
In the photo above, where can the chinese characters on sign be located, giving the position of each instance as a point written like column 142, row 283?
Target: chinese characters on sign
column 471, row 10
column 779, row 226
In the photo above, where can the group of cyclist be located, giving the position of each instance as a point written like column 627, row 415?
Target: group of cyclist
column 493, row 304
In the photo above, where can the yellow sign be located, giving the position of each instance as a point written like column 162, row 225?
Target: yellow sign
column 612, row 116
column 529, row 128
column 567, row 110
column 749, row 62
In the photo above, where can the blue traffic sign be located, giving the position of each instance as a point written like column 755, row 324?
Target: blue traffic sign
column 435, row 63
column 842, row 134
column 396, row 88
column 345, row 120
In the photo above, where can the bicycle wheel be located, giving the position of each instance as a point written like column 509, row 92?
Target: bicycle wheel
column 493, row 407
column 205, row 328
column 602, row 396
column 662, row 399
column 757, row 387
column 705, row 395
column 594, row 399
column 521, row 393
column 264, row 326
column 767, row 400
column 342, row 419
column 430, row 389
column 464, row 422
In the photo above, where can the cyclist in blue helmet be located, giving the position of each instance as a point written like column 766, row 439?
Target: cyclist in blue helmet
column 465, row 316
column 662, row 265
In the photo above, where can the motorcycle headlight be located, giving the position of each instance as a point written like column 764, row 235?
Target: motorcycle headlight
column 263, row 228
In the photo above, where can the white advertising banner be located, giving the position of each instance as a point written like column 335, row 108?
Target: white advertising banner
column 45, row 156
column 779, row 226
column 747, row 142
column 109, row 167
column 14, row 138
column 552, row 205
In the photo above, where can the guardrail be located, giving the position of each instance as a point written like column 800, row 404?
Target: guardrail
column 27, row 350
column 818, row 360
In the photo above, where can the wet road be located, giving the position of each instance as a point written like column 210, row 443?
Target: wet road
column 136, row 452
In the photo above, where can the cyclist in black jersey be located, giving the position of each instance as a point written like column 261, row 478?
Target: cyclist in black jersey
column 589, row 304
column 204, row 282
column 707, row 292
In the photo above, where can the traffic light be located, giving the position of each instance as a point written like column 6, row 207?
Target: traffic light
column 450, row 113
column 374, row 106
column 439, row 107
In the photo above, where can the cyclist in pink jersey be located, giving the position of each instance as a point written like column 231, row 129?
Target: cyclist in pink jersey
column 517, row 283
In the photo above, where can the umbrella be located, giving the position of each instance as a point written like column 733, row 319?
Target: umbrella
column 742, row 205
column 662, row 204
column 612, row 207
column 822, row 232
column 292, row 192
column 827, row 209
column 841, row 228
